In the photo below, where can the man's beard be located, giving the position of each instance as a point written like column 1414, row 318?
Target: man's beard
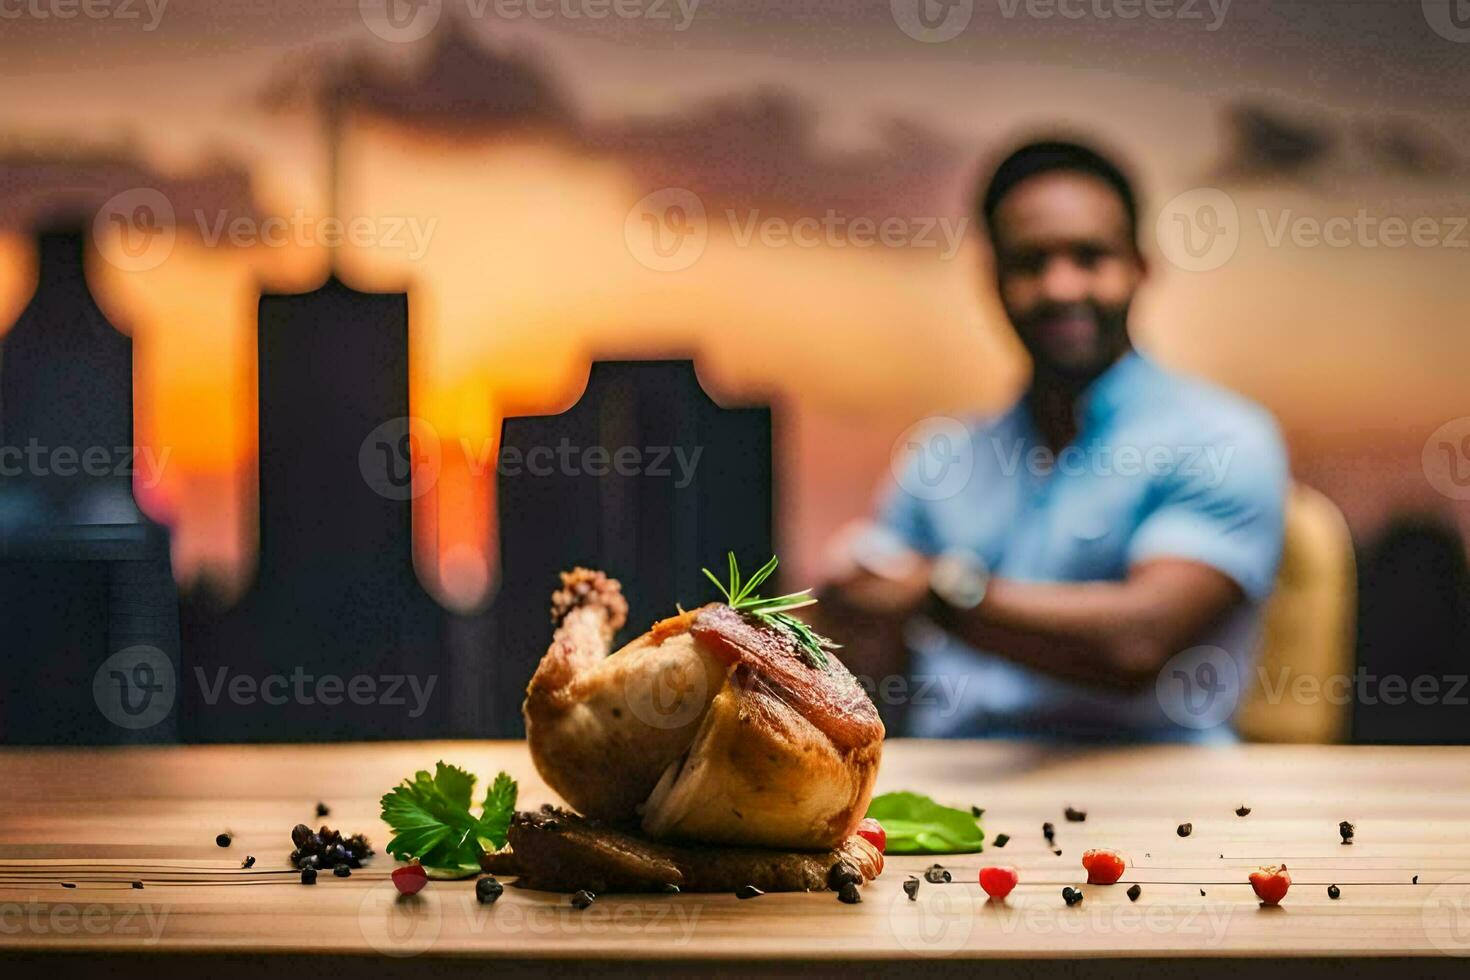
column 1074, row 342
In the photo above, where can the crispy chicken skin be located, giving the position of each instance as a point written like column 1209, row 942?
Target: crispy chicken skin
column 710, row 727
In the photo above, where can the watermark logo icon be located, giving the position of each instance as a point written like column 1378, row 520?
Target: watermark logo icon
column 1199, row 687
column 937, row 922
column 667, row 230
column 934, row 458
column 399, row 925
column 134, row 230
column 135, row 688
column 1199, row 231
column 1450, row 19
column 401, row 459
column 400, row 21
column 932, row 21
column 672, row 696
column 1446, row 459
column 1445, row 916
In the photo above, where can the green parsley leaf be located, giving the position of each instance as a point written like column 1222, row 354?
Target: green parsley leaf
column 431, row 820
column 915, row 824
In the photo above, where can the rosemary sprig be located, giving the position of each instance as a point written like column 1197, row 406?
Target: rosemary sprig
column 776, row 610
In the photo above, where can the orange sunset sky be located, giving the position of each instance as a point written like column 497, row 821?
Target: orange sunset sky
column 525, row 144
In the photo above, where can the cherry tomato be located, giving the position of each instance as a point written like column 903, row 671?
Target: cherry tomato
column 1271, row 883
column 872, row 831
column 1103, row 867
column 998, row 882
column 410, row 879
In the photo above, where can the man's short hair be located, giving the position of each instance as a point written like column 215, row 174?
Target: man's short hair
column 1053, row 156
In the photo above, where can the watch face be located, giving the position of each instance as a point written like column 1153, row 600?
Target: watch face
column 959, row 582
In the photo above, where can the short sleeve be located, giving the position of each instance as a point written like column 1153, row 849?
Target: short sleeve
column 907, row 516
column 1223, row 505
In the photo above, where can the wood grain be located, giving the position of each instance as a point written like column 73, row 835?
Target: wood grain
column 100, row 819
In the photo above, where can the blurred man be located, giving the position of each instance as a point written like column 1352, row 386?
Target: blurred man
column 1117, row 515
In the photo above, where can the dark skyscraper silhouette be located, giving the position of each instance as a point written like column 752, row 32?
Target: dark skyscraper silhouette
column 335, row 600
column 701, row 485
column 83, row 574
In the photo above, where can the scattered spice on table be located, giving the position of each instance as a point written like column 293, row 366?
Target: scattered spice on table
column 1075, row 816
column 1001, row 840
column 1333, row 892
column 137, row 884
column 249, row 861
column 841, row 874
column 1134, row 891
column 1242, row 811
column 977, row 812
column 849, row 894
column 68, row 884
column 322, row 810
column 1048, row 831
column 342, row 871
column 1346, row 830
column 937, row 874
column 748, row 891
column 1201, row 893
column 1416, row 880
column 911, row 888
column 1071, row 896
column 584, row 899
column 308, row 876
column 327, row 848
column 1185, row 829
column 488, row 889
column 223, row 840
column 1057, row 851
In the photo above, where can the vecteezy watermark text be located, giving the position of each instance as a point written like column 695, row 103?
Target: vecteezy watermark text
column 42, row 918
column 125, row 10
column 406, row 21
column 34, row 459
column 328, row 690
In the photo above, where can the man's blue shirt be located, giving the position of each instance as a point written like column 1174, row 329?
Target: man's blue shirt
column 1162, row 466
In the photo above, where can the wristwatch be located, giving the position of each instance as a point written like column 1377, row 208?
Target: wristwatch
column 959, row 579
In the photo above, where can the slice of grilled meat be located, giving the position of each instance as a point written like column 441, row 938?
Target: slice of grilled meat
column 556, row 850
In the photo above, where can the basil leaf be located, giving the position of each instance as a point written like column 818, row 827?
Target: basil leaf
column 915, row 824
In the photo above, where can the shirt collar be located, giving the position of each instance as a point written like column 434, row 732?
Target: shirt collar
column 1110, row 391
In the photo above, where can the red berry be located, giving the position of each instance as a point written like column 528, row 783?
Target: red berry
column 998, row 882
column 1103, row 867
column 872, row 831
column 410, row 879
column 1271, row 883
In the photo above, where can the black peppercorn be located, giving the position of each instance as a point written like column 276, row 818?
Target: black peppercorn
column 1185, row 829
column 1057, row 851
column 308, row 876
column 1416, row 879
column 342, row 871
column 849, row 894
column 748, row 891
column 68, row 884
column 977, row 812
column 1001, row 840
column 1333, row 892
column 1071, row 896
column 321, row 809
column 1134, row 891
column 1048, row 831
column 249, row 861
column 841, row 874
column 937, row 874
column 137, row 884
column 487, row 890
column 1242, row 811
column 1075, row 816
column 223, row 840
column 911, row 889
column 1346, row 830
column 583, row 899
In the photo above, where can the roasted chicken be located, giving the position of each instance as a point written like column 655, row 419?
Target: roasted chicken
column 712, row 727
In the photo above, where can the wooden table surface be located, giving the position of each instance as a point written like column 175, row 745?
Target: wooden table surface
column 98, row 819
